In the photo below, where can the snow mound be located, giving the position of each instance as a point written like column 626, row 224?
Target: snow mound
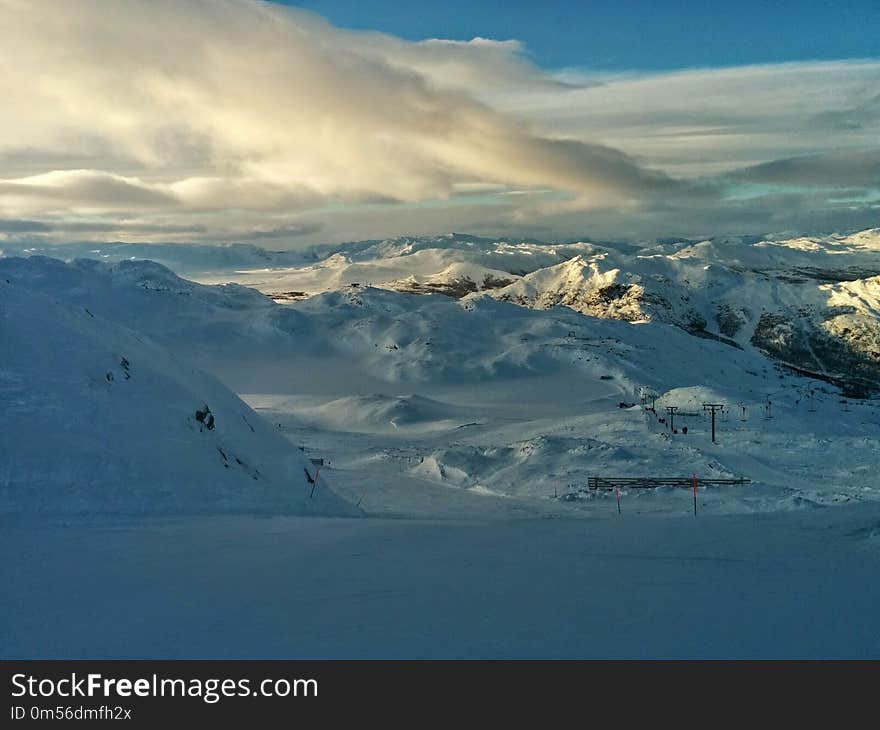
column 99, row 420
column 379, row 413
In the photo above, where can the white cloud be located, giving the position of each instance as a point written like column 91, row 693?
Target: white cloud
column 255, row 99
column 225, row 116
column 705, row 121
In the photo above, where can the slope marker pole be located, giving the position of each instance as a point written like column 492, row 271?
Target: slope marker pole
column 694, row 483
column 617, row 492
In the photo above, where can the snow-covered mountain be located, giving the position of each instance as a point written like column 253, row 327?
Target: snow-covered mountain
column 98, row 418
column 810, row 303
column 392, row 336
column 403, row 392
column 473, row 409
column 819, row 319
column 186, row 259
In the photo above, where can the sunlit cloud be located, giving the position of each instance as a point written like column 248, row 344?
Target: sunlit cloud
column 222, row 118
column 272, row 107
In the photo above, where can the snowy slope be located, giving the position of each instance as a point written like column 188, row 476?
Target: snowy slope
column 98, row 419
column 144, row 296
column 374, row 413
column 405, row 394
column 785, row 586
column 582, row 285
column 465, row 410
column 426, row 265
column 805, row 302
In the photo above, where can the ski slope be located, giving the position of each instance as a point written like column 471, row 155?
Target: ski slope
column 795, row 585
column 461, row 426
column 503, row 405
column 97, row 419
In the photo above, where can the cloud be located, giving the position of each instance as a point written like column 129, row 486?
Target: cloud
column 481, row 66
column 706, row 121
column 831, row 170
column 234, row 103
column 81, row 189
column 23, row 226
column 23, row 229
column 288, row 231
column 863, row 114
column 234, row 117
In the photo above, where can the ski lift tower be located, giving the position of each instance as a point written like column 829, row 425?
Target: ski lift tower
column 713, row 408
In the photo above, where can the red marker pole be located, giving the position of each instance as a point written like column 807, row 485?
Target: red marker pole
column 617, row 492
column 694, row 483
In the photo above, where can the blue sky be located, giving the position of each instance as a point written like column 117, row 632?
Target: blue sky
column 633, row 34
